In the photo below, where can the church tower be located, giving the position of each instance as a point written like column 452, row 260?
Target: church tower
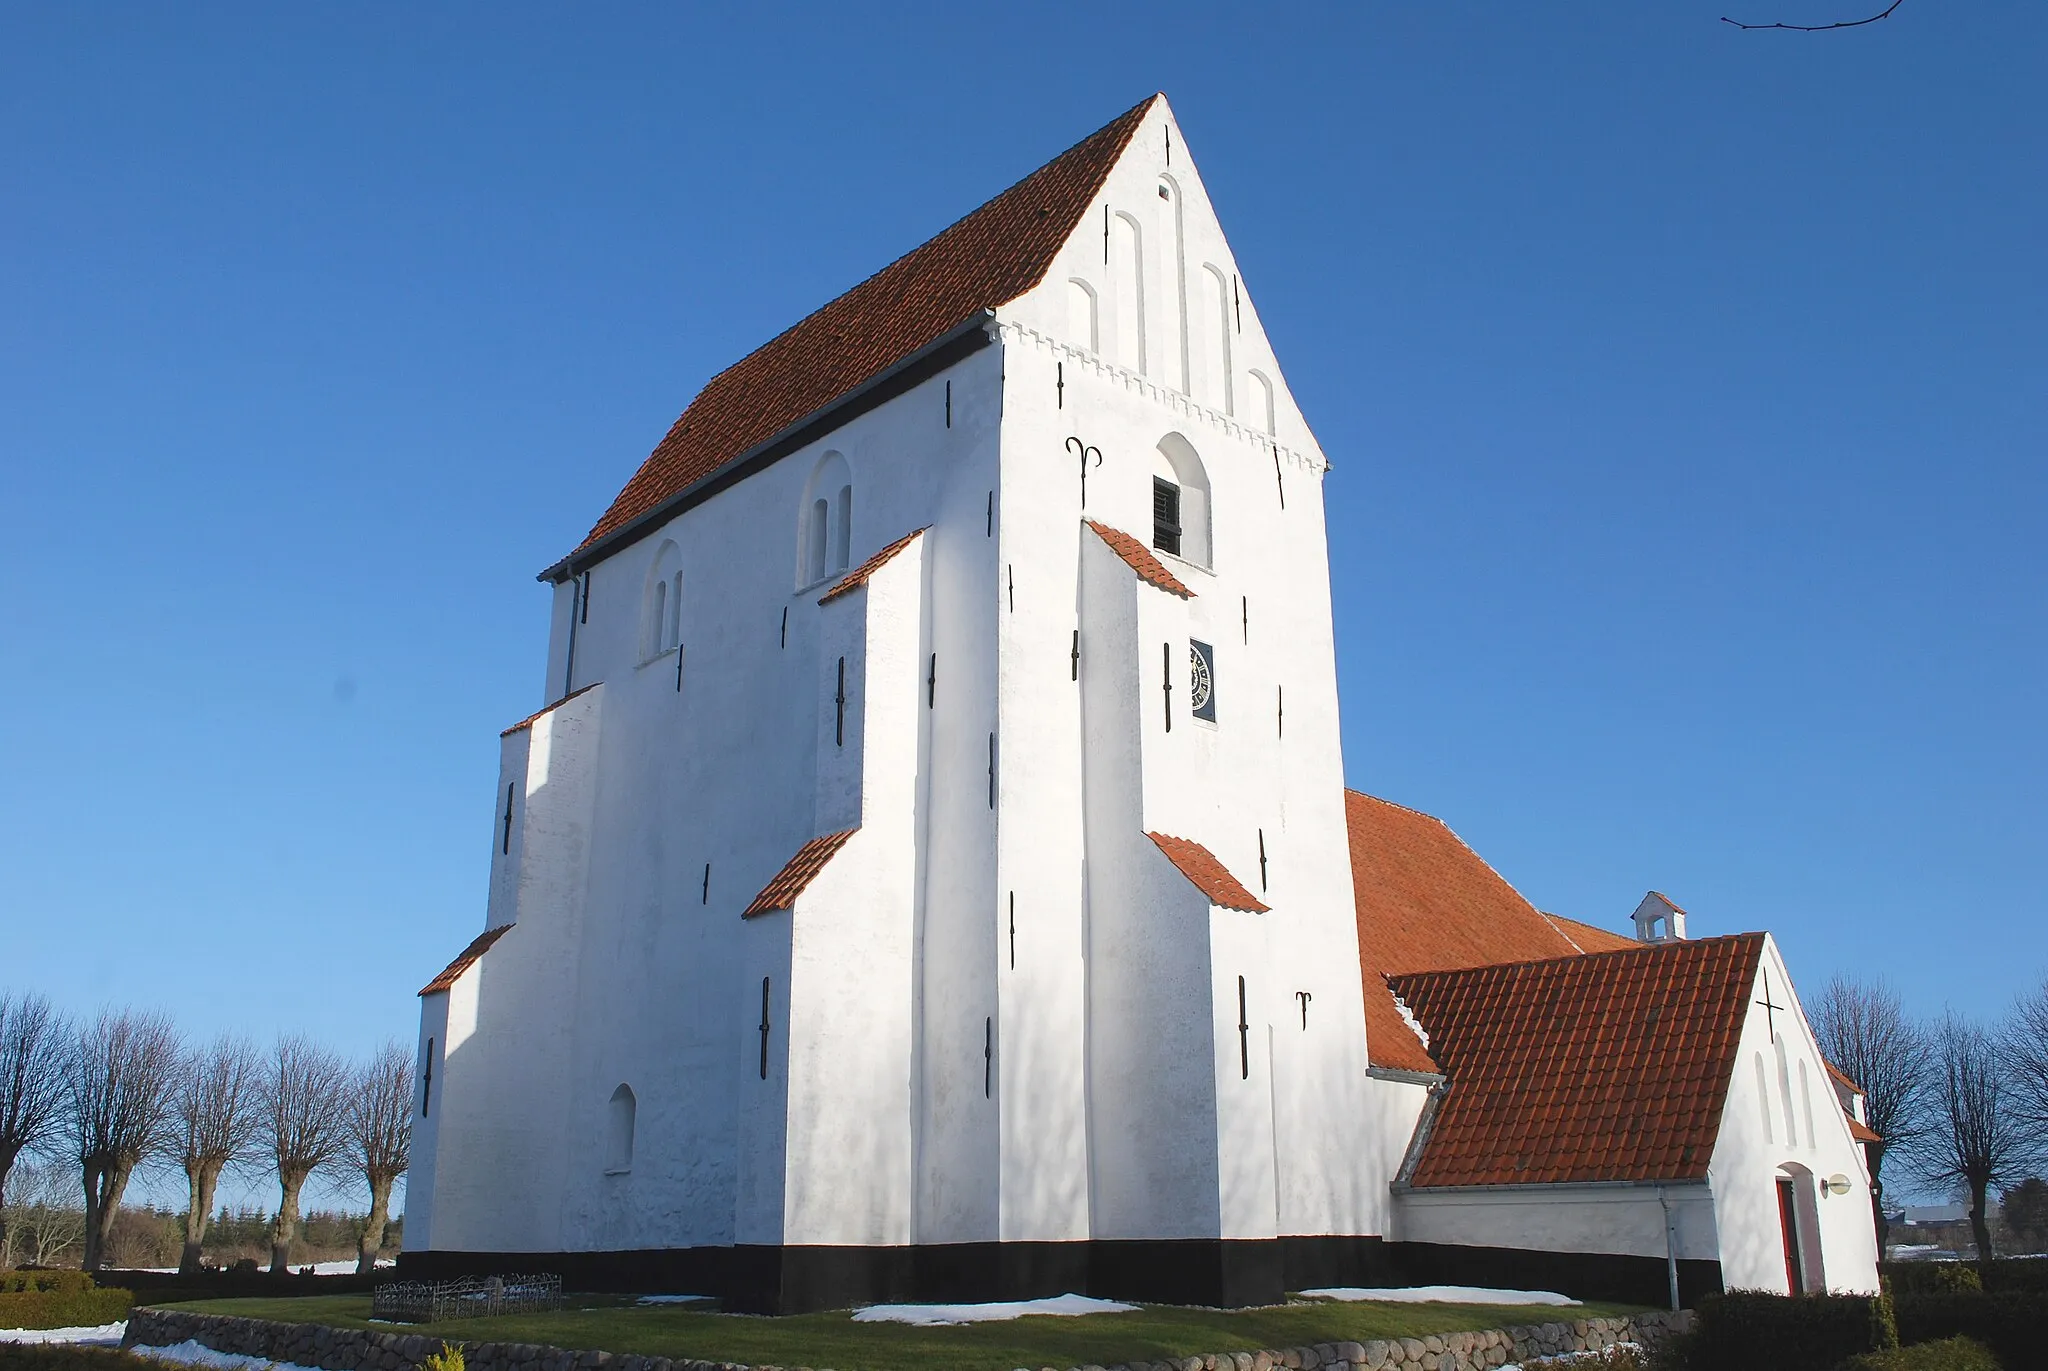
column 928, row 875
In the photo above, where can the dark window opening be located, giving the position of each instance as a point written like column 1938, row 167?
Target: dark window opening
column 1165, row 515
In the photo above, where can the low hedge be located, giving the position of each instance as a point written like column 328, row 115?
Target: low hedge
column 50, row 1309
column 62, row 1356
column 1749, row 1330
column 2006, row 1275
column 38, row 1279
column 2013, row 1326
column 1950, row 1354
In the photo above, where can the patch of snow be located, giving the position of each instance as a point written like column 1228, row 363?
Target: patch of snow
column 344, row 1267
column 1569, row 1358
column 106, row 1335
column 194, row 1353
column 672, row 1299
column 1440, row 1294
column 934, row 1315
column 1414, row 1024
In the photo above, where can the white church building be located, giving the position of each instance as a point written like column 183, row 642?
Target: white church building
column 932, row 874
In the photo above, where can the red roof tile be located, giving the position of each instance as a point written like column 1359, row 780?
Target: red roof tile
column 1842, row 1078
column 1608, row 1066
column 1863, row 1132
column 1148, row 567
column 1590, row 937
column 452, row 973
column 798, row 872
column 1210, row 876
column 858, row 577
column 529, row 720
column 1427, row 902
column 992, row 256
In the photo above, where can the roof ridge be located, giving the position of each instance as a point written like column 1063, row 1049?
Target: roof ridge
column 1580, row 958
column 1395, row 804
column 993, row 254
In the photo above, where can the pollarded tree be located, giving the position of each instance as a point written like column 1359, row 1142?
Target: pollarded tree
column 218, row 1117
column 380, row 1138
column 122, row 1079
column 304, row 1104
column 33, row 1044
column 1977, row 1139
column 1863, row 1029
column 2026, row 1045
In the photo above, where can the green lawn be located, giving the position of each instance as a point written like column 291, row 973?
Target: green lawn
column 834, row 1340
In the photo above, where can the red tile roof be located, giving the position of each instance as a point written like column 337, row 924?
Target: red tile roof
column 1863, row 1132
column 798, row 872
column 1148, row 567
column 1427, row 902
column 1210, row 876
column 1609, row 1066
column 452, row 973
column 1842, row 1078
column 858, row 577
column 1590, row 937
column 992, row 256
column 530, row 719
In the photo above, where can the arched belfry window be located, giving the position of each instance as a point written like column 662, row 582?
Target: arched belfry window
column 618, row 1154
column 826, row 521
column 662, row 616
column 1180, row 501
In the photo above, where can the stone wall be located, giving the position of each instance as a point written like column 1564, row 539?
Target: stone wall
column 344, row 1349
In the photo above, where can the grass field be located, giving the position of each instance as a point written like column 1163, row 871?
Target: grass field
column 1151, row 1333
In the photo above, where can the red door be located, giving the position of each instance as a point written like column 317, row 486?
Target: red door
column 1788, row 1227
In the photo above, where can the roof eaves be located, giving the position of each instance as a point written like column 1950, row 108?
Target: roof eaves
column 830, row 415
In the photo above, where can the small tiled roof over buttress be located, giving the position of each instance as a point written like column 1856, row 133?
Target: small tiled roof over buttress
column 798, row 872
column 987, row 259
column 1607, row 1066
column 1210, row 876
column 858, row 577
column 452, row 973
column 1149, row 568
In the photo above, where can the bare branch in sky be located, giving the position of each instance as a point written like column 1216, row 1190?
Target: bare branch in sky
column 1819, row 28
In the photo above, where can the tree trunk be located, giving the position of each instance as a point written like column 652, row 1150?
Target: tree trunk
column 1980, row 1226
column 6, row 1166
column 287, row 1229
column 380, row 1218
column 103, row 1187
column 1874, row 1154
column 200, row 1179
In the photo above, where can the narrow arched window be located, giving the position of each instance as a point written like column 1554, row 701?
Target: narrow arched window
column 1763, row 1098
column 1261, row 401
column 1127, row 276
column 1806, row 1106
column 1082, row 327
column 619, row 1131
column 1180, row 501
column 661, row 620
column 826, row 542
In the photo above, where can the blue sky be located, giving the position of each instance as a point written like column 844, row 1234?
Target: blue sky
column 1684, row 388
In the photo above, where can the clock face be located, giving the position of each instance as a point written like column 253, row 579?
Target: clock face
column 1200, row 684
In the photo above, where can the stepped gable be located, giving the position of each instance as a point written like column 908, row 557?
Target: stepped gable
column 987, row 259
column 1605, row 1066
column 1427, row 902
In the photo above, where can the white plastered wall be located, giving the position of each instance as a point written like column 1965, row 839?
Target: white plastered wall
column 1839, row 1238
column 1626, row 1220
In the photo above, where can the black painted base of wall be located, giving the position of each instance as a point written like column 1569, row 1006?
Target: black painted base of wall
column 791, row 1280
column 1582, row 1275
column 1220, row 1273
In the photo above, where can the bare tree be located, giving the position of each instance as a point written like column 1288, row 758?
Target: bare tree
column 32, row 1051
column 217, row 1118
column 2027, row 1053
column 304, row 1121
column 122, row 1079
column 1820, row 28
column 1863, row 1030
column 380, row 1137
column 44, row 1220
column 1977, row 1139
